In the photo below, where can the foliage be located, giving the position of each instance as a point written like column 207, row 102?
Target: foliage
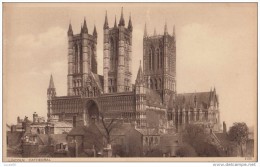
column 193, row 134
column 186, row 151
column 239, row 134
column 196, row 137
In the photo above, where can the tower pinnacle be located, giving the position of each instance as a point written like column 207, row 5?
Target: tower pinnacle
column 173, row 32
column 85, row 28
column 70, row 31
column 140, row 75
column 51, row 92
column 122, row 20
column 115, row 24
column 130, row 26
column 165, row 29
column 51, row 84
column 95, row 31
column 145, row 31
column 106, row 22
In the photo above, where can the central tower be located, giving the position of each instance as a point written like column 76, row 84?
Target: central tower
column 159, row 54
column 118, row 56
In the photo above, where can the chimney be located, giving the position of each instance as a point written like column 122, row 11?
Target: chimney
column 13, row 128
column 74, row 121
column 35, row 115
column 224, row 127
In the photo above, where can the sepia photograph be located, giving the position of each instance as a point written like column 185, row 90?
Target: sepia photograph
column 168, row 82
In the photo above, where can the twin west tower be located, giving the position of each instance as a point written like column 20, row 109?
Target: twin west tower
column 159, row 59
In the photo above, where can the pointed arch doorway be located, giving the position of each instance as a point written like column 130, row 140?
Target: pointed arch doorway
column 91, row 112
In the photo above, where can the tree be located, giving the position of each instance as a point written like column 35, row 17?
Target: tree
column 109, row 124
column 239, row 134
column 193, row 134
column 196, row 137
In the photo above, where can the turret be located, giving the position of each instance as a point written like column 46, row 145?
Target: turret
column 130, row 26
column 140, row 97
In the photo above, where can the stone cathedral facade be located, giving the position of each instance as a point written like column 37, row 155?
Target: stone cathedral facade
column 152, row 101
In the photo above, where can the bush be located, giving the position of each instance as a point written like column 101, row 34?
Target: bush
column 186, row 151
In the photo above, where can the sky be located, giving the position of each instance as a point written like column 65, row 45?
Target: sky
column 216, row 47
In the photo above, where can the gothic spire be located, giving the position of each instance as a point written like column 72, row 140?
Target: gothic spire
column 140, row 75
column 122, row 20
column 51, row 92
column 211, row 97
column 81, row 29
column 130, row 26
column 51, row 85
column 85, row 28
column 106, row 22
column 173, row 32
column 70, row 31
column 165, row 29
column 115, row 24
column 145, row 31
column 95, row 31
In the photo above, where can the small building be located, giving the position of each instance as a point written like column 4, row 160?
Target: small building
column 85, row 141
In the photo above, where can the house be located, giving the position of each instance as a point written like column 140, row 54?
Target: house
column 84, row 141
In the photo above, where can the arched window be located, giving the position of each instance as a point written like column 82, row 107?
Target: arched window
column 160, row 84
column 158, row 58
column 93, row 60
column 88, row 92
column 112, row 54
column 150, row 59
column 76, row 58
column 155, row 84
column 111, row 82
column 161, row 57
column 151, row 83
column 80, row 59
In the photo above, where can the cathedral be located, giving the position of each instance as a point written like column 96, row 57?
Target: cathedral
column 151, row 102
